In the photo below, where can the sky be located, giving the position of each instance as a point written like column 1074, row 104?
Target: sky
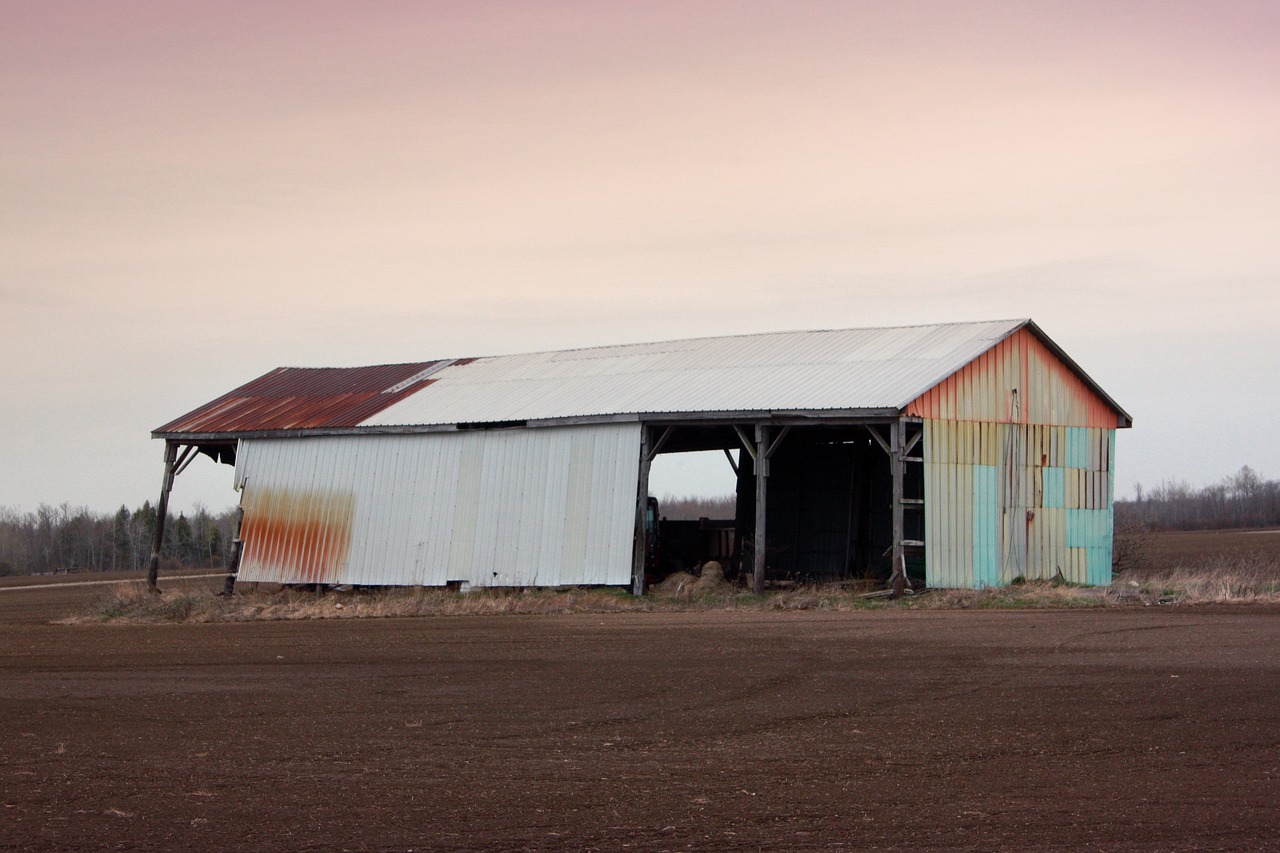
column 194, row 193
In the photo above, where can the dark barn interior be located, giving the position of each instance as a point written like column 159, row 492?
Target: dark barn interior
column 828, row 507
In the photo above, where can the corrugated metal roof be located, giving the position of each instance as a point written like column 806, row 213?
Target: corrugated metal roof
column 306, row 398
column 876, row 368
column 848, row 369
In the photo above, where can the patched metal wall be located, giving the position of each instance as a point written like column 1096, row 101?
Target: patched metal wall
column 1017, row 500
column 518, row 507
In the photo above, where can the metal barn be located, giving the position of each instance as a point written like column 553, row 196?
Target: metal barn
column 965, row 454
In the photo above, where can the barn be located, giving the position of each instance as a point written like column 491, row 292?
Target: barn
column 960, row 454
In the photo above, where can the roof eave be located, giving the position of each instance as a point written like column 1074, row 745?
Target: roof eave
column 707, row 418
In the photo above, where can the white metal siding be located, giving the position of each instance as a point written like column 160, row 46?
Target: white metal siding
column 519, row 507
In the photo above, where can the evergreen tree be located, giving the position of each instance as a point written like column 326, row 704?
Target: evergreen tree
column 183, row 540
column 121, row 542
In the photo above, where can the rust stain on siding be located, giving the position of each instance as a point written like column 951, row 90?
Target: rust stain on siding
column 296, row 536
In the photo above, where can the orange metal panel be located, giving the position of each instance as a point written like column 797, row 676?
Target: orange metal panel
column 1047, row 390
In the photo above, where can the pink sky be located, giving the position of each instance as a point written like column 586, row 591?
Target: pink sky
column 195, row 193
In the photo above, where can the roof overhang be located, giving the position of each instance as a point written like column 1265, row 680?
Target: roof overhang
column 790, row 417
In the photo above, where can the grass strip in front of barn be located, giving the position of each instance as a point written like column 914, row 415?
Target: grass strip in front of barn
column 1220, row 581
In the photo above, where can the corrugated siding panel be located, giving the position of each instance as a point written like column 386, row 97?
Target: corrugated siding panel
column 1019, row 380
column 1005, row 500
column 521, row 507
column 986, row 525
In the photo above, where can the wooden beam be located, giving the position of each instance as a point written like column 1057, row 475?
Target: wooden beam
column 657, row 447
column 911, row 445
column 761, row 457
column 747, row 443
column 777, row 441
column 875, row 433
column 897, row 442
column 157, row 539
column 188, row 456
column 642, row 509
column 733, row 463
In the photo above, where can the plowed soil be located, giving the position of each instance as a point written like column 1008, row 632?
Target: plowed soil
column 1147, row 729
column 1173, row 549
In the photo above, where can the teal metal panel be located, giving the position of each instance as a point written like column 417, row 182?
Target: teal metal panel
column 986, row 525
column 1088, row 528
column 1054, row 487
column 1099, row 566
column 1077, row 447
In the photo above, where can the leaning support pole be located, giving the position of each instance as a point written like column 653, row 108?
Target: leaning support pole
column 237, row 545
column 762, row 490
column 162, row 510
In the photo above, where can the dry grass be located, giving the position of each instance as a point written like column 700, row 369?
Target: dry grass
column 132, row 603
column 1221, row 581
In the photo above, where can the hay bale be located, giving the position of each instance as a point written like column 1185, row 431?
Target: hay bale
column 676, row 585
column 711, row 580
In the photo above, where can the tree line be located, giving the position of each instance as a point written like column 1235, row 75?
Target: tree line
column 694, row 507
column 64, row 538
column 1243, row 499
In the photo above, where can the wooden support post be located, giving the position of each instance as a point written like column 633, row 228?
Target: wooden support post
column 897, row 449
column 237, row 546
column 162, row 510
column 761, row 458
column 642, row 511
column 733, row 463
column 649, row 449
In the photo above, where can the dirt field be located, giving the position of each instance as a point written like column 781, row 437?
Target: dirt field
column 1170, row 549
column 1147, row 729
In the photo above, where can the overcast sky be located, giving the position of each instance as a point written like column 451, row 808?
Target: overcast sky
column 195, row 193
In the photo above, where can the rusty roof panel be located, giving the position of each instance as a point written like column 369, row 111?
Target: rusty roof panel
column 290, row 398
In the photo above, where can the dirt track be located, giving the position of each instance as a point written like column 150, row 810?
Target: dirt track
column 1117, row 730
